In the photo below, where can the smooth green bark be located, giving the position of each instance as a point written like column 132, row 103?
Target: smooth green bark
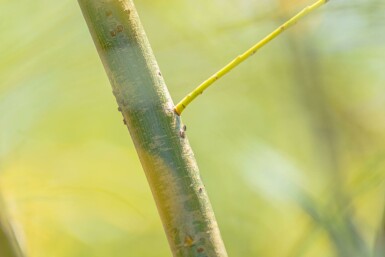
column 156, row 130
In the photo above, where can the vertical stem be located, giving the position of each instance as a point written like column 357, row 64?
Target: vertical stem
column 9, row 246
column 156, row 130
column 379, row 244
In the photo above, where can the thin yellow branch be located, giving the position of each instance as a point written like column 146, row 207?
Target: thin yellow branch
column 239, row 59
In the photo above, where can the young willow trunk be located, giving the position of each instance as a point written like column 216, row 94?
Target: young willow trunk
column 157, row 132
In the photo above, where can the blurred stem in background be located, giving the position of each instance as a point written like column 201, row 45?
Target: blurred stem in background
column 157, row 131
column 379, row 247
column 9, row 246
column 336, row 217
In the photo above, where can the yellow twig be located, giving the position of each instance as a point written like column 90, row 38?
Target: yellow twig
column 239, row 59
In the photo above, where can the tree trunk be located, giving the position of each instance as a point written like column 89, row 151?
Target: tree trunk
column 158, row 133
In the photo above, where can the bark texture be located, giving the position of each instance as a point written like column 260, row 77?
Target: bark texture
column 157, row 132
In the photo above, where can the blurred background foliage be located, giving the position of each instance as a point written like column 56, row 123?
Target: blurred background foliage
column 291, row 144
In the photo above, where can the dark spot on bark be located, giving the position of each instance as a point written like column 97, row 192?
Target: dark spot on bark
column 108, row 13
column 128, row 11
column 182, row 131
column 200, row 190
column 119, row 28
column 119, row 109
column 200, row 250
column 160, row 74
column 189, row 241
column 112, row 33
column 124, row 121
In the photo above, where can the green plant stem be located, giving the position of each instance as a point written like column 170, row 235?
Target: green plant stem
column 155, row 128
column 239, row 59
column 379, row 244
column 9, row 246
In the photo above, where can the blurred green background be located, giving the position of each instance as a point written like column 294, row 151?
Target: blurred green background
column 291, row 144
